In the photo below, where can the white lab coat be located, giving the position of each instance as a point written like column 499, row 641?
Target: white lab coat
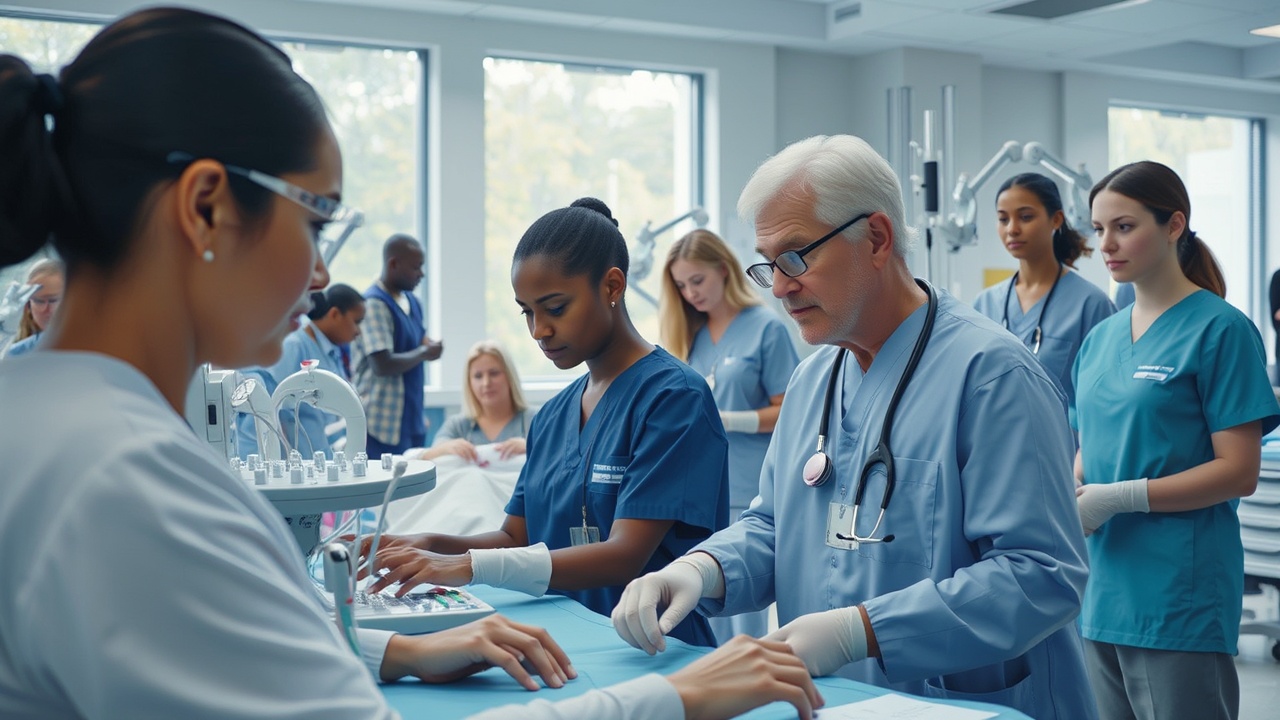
column 144, row 580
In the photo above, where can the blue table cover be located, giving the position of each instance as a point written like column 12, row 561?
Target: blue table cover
column 601, row 659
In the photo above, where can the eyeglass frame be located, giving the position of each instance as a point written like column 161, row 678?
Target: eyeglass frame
column 765, row 277
column 328, row 209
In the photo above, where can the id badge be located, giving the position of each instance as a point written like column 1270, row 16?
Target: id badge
column 584, row 535
column 840, row 522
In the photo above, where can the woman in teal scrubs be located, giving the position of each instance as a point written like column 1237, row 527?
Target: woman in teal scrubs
column 710, row 319
column 1172, row 399
column 1046, row 304
column 626, row 467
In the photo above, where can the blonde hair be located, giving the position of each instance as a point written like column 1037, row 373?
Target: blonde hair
column 470, row 404
column 678, row 321
column 42, row 269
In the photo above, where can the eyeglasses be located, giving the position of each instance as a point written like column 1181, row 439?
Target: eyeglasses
column 341, row 220
column 44, row 302
column 791, row 262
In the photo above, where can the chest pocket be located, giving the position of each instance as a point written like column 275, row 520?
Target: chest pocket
column 607, row 474
column 909, row 517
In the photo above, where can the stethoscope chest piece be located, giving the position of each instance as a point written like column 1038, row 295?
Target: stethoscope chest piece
column 817, row 470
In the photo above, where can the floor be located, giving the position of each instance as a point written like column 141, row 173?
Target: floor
column 1259, row 671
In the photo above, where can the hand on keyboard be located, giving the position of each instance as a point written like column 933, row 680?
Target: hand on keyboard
column 411, row 567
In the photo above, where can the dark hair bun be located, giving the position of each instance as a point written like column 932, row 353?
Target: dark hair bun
column 596, row 204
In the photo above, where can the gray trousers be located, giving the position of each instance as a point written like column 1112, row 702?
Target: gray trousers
column 1133, row 683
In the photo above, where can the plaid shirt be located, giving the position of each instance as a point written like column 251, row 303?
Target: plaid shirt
column 382, row 397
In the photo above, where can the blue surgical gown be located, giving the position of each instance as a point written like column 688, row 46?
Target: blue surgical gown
column 653, row 449
column 752, row 362
column 975, row 596
column 1077, row 305
column 1148, row 409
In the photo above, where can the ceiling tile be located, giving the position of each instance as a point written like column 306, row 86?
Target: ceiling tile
column 958, row 28
column 1149, row 17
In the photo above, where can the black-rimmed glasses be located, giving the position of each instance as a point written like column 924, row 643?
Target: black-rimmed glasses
column 791, row 262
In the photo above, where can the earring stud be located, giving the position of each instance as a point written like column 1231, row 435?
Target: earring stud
column 207, row 256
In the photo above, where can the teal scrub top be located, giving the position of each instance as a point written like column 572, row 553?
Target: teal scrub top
column 1147, row 409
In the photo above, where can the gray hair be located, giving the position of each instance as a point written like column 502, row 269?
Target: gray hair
column 846, row 177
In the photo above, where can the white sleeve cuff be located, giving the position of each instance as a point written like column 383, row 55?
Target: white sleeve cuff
column 373, row 646
column 524, row 569
column 740, row 421
column 648, row 697
column 709, row 569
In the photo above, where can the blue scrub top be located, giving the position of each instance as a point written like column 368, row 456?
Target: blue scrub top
column 1147, row 409
column 975, row 596
column 656, row 451
column 753, row 362
column 312, row 422
column 1076, row 307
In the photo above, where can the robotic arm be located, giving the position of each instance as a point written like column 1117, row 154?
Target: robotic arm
column 642, row 254
column 326, row 391
column 961, row 227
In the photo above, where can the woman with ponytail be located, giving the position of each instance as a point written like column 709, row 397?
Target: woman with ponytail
column 186, row 180
column 1172, row 400
column 1045, row 304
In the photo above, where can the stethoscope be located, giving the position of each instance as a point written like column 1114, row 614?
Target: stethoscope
column 1035, row 338
column 818, row 469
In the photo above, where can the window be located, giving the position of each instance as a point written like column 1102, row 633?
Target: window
column 555, row 132
column 374, row 98
column 1217, row 158
column 375, row 101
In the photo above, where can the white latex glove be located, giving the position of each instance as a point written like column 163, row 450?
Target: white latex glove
column 825, row 641
column 1100, row 503
column 741, row 421
column 11, row 303
column 678, row 587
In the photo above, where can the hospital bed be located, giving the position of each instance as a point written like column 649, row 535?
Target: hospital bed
column 468, row 498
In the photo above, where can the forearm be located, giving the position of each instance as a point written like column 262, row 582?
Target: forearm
column 458, row 544
column 1216, row 481
column 596, row 565
column 649, row 697
column 387, row 363
column 769, row 417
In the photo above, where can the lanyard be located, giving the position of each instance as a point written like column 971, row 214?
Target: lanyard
column 1039, row 333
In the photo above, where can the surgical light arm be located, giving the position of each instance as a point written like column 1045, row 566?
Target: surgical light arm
column 1080, row 183
column 325, row 390
column 642, row 258
column 962, row 227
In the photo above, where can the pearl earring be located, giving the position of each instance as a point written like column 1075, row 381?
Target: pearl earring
column 207, row 256
column 613, row 303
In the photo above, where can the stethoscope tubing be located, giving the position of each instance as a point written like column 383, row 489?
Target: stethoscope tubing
column 1038, row 335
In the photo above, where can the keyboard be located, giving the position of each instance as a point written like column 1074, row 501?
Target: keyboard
column 435, row 609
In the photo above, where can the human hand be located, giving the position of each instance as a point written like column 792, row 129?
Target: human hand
column 462, row 448
column 411, row 567
column 508, row 449
column 1100, row 503
column 825, row 641
column 494, row 641
column 434, row 348
column 422, row 542
column 744, row 674
column 678, row 587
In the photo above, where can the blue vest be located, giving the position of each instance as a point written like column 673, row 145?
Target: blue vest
column 409, row 331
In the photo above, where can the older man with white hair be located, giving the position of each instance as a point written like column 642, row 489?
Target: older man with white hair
column 916, row 521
